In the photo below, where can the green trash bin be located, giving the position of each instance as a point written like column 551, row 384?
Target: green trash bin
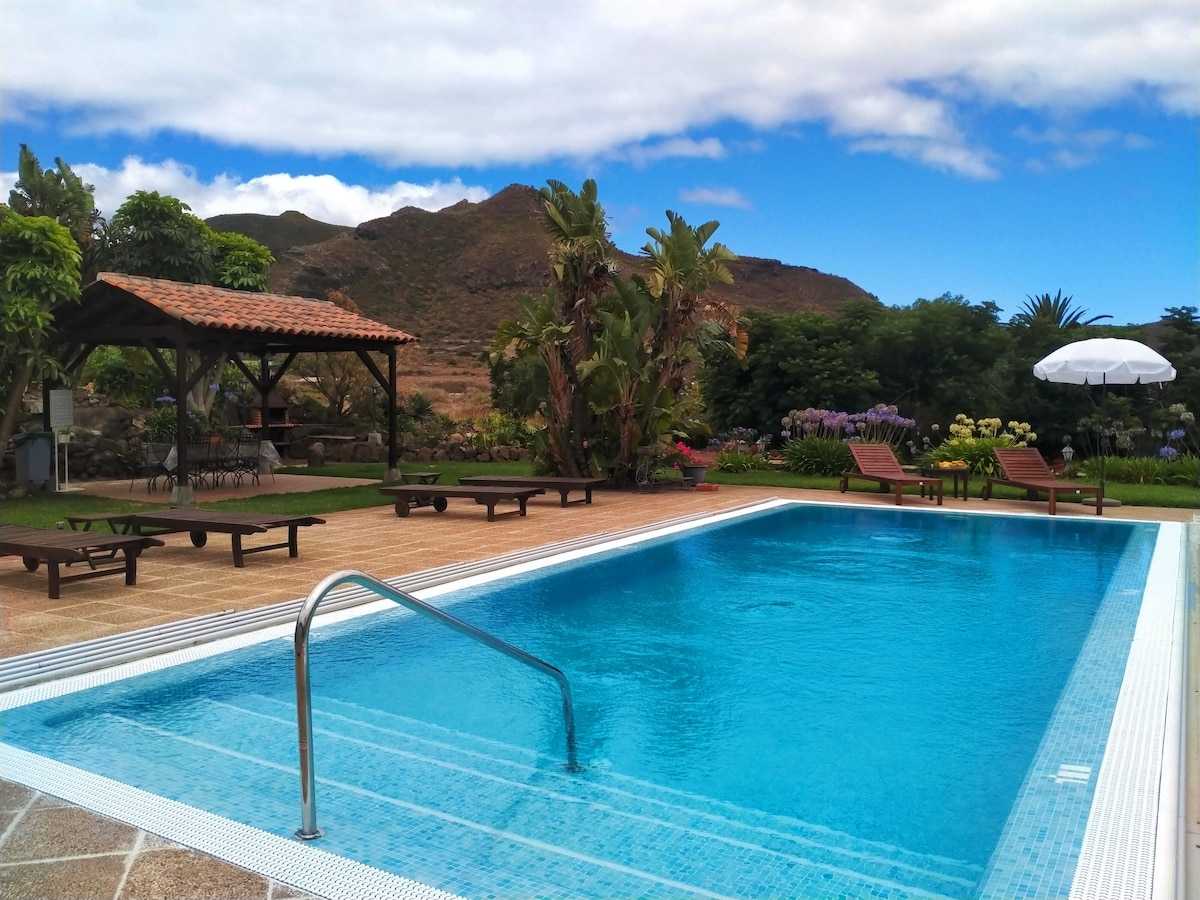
column 34, row 450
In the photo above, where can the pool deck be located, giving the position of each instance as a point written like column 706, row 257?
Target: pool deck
column 49, row 849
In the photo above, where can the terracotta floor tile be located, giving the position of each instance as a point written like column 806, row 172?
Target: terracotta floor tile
column 64, row 879
column 66, row 831
column 14, row 797
column 175, row 874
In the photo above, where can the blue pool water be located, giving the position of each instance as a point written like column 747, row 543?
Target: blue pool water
column 811, row 702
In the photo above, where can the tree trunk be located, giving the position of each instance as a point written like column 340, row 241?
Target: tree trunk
column 13, row 408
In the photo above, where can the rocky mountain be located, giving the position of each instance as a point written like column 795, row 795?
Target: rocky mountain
column 451, row 276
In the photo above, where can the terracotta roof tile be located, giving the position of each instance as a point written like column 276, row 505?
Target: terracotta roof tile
column 271, row 314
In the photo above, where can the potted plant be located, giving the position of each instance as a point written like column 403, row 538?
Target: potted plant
column 690, row 465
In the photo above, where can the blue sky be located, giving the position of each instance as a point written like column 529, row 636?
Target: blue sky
column 977, row 147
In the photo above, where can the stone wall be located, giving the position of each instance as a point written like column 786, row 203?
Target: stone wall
column 99, row 449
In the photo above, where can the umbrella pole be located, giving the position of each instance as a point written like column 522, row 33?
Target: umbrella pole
column 1103, row 427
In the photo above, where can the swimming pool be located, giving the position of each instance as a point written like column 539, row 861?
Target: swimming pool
column 767, row 766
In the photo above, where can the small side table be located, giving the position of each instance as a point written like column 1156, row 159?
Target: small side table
column 956, row 472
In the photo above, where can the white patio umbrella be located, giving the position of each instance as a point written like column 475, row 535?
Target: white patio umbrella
column 1105, row 361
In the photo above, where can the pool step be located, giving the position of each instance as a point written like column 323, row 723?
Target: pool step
column 482, row 800
column 635, row 796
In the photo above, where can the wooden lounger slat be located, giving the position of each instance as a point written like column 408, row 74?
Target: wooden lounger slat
column 1024, row 468
column 878, row 463
column 435, row 495
column 564, row 484
column 200, row 522
column 56, row 548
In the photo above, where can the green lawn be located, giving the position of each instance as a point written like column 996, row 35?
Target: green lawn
column 45, row 508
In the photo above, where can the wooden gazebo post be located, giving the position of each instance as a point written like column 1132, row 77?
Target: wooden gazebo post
column 182, row 494
column 393, row 469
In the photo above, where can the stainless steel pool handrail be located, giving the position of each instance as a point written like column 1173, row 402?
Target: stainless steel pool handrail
column 308, row 779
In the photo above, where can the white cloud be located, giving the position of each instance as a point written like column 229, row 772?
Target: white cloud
column 715, row 196
column 320, row 197
column 1073, row 149
column 676, row 148
column 473, row 84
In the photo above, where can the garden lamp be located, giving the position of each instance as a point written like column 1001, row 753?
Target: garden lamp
column 1068, row 453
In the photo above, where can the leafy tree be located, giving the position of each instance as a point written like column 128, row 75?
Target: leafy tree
column 39, row 264
column 157, row 236
column 936, row 358
column 63, row 196
column 1056, row 310
column 1179, row 342
column 518, row 383
column 239, row 262
column 808, row 359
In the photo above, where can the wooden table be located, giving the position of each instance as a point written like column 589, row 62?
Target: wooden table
column 955, row 472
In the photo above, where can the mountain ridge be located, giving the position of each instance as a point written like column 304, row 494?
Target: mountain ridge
column 450, row 277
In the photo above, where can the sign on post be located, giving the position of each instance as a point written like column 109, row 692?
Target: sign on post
column 62, row 417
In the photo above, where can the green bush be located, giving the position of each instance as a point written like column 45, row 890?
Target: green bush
column 1183, row 470
column 497, row 429
column 976, row 452
column 738, row 461
column 817, row 456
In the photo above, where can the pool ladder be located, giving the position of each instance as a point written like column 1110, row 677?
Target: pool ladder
column 308, row 780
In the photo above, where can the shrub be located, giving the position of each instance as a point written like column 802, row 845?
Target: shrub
column 817, row 456
column 976, row 452
column 160, row 423
column 1145, row 469
column 740, row 461
column 972, row 442
column 881, row 424
column 498, row 429
column 1184, row 470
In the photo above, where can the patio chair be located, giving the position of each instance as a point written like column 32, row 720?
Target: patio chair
column 877, row 462
column 150, row 463
column 1024, row 468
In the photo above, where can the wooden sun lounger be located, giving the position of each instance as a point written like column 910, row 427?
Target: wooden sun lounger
column 877, row 462
column 564, row 484
column 199, row 522
column 55, row 548
column 1024, row 468
column 436, row 495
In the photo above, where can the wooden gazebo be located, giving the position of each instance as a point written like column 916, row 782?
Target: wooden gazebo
column 171, row 317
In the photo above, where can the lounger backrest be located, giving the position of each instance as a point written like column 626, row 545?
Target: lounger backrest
column 1023, row 463
column 876, row 459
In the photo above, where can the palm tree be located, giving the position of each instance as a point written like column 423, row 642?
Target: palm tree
column 681, row 269
column 1056, row 311
column 582, row 266
column 540, row 333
